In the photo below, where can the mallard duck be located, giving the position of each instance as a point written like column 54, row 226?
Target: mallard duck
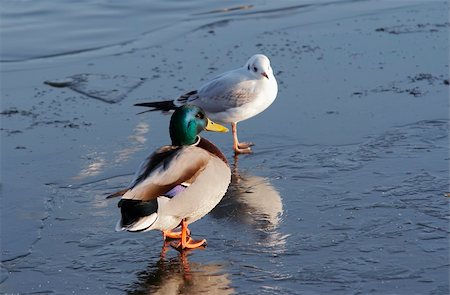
column 231, row 97
column 179, row 183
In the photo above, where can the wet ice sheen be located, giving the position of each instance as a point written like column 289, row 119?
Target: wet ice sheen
column 109, row 89
column 343, row 195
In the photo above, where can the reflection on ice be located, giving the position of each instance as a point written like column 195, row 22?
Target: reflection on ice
column 260, row 201
column 97, row 162
column 178, row 276
column 136, row 142
column 252, row 200
column 94, row 166
column 109, row 89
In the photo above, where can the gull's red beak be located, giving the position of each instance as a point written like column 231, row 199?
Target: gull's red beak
column 265, row 75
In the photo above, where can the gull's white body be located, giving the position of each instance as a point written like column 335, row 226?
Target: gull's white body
column 231, row 97
column 236, row 95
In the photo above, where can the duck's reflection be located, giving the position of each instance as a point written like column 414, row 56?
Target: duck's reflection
column 178, row 276
column 253, row 201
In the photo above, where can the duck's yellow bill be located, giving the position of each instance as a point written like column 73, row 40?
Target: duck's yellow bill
column 211, row 126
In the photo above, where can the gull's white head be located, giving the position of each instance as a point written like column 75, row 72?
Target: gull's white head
column 259, row 65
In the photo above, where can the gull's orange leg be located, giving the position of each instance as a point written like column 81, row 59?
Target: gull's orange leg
column 186, row 241
column 240, row 147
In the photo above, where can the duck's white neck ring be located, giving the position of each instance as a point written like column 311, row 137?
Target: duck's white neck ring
column 197, row 141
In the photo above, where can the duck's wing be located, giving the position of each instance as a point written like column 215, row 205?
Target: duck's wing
column 151, row 162
column 145, row 168
column 118, row 193
column 164, row 170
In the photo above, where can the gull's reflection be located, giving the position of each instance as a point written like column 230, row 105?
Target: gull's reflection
column 178, row 276
column 252, row 200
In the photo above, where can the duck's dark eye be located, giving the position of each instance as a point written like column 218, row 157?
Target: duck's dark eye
column 255, row 69
column 201, row 116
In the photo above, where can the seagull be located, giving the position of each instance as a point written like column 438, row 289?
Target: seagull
column 231, row 97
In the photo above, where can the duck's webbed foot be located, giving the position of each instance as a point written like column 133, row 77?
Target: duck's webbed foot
column 174, row 235
column 186, row 242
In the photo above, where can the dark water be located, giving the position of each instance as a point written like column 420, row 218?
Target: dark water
column 346, row 190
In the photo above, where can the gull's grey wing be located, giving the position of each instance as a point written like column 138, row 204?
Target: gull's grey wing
column 229, row 90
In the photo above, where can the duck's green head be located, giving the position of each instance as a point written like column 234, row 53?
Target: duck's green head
column 187, row 122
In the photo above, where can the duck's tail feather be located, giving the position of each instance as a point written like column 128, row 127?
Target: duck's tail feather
column 117, row 194
column 137, row 215
column 164, row 106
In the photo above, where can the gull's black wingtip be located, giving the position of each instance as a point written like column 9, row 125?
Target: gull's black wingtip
column 165, row 105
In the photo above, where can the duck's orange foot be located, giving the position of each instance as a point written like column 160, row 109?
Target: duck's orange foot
column 188, row 244
column 174, row 235
column 185, row 240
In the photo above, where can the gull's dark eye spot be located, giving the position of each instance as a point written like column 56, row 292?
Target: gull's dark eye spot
column 255, row 69
column 200, row 116
column 248, row 67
